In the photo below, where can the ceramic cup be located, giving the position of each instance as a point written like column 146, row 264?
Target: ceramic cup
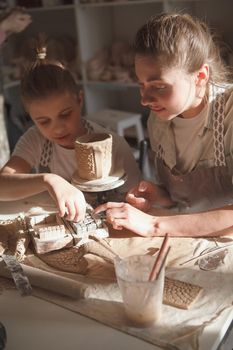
column 142, row 299
column 94, row 156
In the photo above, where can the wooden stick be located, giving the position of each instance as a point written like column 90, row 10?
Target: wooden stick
column 159, row 260
column 104, row 244
column 164, row 261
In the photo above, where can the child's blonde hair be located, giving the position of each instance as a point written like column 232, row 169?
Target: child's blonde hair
column 181, row 41
column 44, row 77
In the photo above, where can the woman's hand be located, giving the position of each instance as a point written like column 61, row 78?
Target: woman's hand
column 146, row 194
column 142, row 196
column 124, row 215
column 70, row 201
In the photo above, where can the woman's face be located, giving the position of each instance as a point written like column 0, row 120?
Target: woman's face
column 58, row 117
column 167, row 92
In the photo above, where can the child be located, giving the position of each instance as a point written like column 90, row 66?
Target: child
column 49, row 94
column 183, row 82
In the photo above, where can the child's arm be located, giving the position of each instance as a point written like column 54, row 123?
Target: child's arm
column 16, row 182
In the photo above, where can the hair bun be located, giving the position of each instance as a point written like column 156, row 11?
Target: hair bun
column 41, row 53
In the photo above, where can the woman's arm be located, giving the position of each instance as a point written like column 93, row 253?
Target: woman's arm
column 211, row 223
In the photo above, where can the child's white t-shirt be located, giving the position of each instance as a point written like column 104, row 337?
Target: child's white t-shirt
column 63, row 162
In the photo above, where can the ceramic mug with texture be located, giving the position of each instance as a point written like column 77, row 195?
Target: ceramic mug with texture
column 94, row 156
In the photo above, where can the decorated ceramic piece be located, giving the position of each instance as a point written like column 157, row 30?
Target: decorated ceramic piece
column 94, row 156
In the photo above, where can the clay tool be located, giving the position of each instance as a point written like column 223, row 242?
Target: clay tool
column 104, row 244
column 210, row 252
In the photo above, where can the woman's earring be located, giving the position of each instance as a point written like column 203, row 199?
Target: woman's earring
column 201, row 76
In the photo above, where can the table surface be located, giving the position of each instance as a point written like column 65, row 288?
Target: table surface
column 32, row 323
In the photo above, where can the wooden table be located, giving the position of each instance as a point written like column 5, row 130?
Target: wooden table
column 32, row 323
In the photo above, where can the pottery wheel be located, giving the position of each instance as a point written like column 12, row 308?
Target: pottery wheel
column 110, row 182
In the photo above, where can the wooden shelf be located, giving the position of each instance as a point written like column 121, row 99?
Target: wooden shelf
column 119, row 3
column 96, row 26
column 50, row 8
column 131, row 2
column 14, row 83
column 11, row 84
column 111, row 85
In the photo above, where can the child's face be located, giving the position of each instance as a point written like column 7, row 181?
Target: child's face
column 167, row 92
column 58, row 117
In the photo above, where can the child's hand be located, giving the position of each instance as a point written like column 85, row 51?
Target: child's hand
column 15, row 22
column 124, row 215
column 70, row 201
column 142, row 196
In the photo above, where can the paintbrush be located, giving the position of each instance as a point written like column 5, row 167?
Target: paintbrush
column 160, row 259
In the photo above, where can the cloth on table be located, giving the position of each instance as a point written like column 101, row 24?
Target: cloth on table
column 178, row 329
